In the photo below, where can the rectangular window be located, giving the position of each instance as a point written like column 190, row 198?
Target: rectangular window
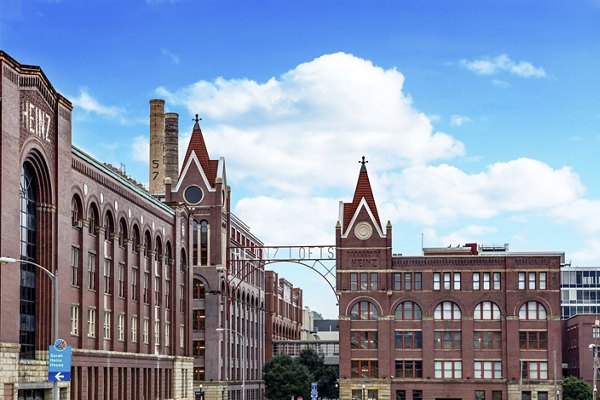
column 487, row 340
column 409, row 369
column 532, row 280
column 496, row 395
column 486, row 281
column 167, row 334
column 167, row 295
column 121, row 278
column 134, row 329
column 75, row 266
column 364, row 369
column 107, row 318
column 542, row 285
column 542, row 395
column 397, row 281
column 409, row 340
column 535, row 369
column 145, row 331
column 436, row 281
column 157, row 333
column 521, row 280
column 526, row 395
column 91, row 271
column 488, row 369
column 596, row 332
column 448, row 369
column 363, row 339
column 145, row 288
column 374, row 281
column 363, row 281
column 106, row 275
column 134, row 280
column 91, row 322
column 480, row 395
column 407, row 281
column 121, row 327
column 447, row 340
column 353, row 281
column 182, row 336
column 533, row 340
column 74, row 320
column 457, row 281
column 497, row 285
column 157, row 284
column 418, row 281
column 446, row 280
column 417, row 394
column 475, row 280
column 400, row 394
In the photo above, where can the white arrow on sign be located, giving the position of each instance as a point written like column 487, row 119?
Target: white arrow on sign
column 59, row 376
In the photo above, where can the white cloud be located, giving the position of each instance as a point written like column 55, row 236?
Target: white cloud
column 500, row 83
column 89, row 104
column 491, row 66
column 459, row 120
column 174, row 58
column 320, row 115
column 140, row 149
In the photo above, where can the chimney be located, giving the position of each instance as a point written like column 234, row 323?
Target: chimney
column 157, row 143
column 172, row 147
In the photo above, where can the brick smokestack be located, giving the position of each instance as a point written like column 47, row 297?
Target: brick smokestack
column 172, row 147
column 157, row 144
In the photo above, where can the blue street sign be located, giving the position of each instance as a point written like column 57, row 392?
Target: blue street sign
column 313, row 386
column 59, row 361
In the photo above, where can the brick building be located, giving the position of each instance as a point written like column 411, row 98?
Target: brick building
column 455, row 323
column 159, row 296
column 284, row 311
column 120, row 255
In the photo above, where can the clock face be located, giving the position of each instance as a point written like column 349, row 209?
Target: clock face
column 193, row 194
column 363, row 230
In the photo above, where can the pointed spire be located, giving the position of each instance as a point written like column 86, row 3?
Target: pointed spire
column 198, row 146
column 363, row 190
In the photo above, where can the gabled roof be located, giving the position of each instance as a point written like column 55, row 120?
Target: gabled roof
column 198, row 146
column 363, row 190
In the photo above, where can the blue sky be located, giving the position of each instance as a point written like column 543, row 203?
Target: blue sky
column 480, row 119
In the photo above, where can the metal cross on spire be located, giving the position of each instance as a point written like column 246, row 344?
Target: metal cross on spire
column 197, row 118
column 363, row 162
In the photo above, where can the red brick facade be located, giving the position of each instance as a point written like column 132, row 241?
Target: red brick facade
column 451, row 324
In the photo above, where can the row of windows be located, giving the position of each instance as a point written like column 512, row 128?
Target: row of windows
column 449, row 340
column 368, row 281
column 448, row 369
column 107, row 332
column 447, row 310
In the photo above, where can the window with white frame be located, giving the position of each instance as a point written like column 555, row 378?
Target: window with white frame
column 448, row 369
column 107, row 326
column 106, row 274
column 74, row 266
column 91, row 271
column 134, row 329
column 157, row 333
column 181, row 336
column 167, row 334
column 486, row 310
column 91, row 322
column 121, row 278
column 121, row 327
column 542, row 277
column 486, row 281
column 436, row 281
column 446, row 280
column 531, row 281
column 476, row 281
column 145, row 329
column 74, row 319
column 497, row 284
column 521, row 280
column 457, row 281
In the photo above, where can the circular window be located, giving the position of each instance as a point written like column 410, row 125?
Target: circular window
column 193, row 194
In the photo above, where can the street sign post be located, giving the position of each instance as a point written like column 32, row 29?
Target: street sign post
column 313, row 391
column 59, row 361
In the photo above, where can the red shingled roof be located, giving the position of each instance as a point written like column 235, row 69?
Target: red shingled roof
column 198, row 146
column 363, row 190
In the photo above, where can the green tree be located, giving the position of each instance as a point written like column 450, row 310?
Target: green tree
column 326, row 376
column 576, row 389
column 285, row 377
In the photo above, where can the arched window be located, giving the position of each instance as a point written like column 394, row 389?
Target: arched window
column 182, row 261
column 28, row 272
column 135, row 240
column 158, row 250
column 486, row 310
column 76, row 210
column 363, row 310
column 408, row 311
column 109, row 226
column 532, row 310
column 122, row 232
column 93, row 219
column 147, row 244
column 447, row 310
